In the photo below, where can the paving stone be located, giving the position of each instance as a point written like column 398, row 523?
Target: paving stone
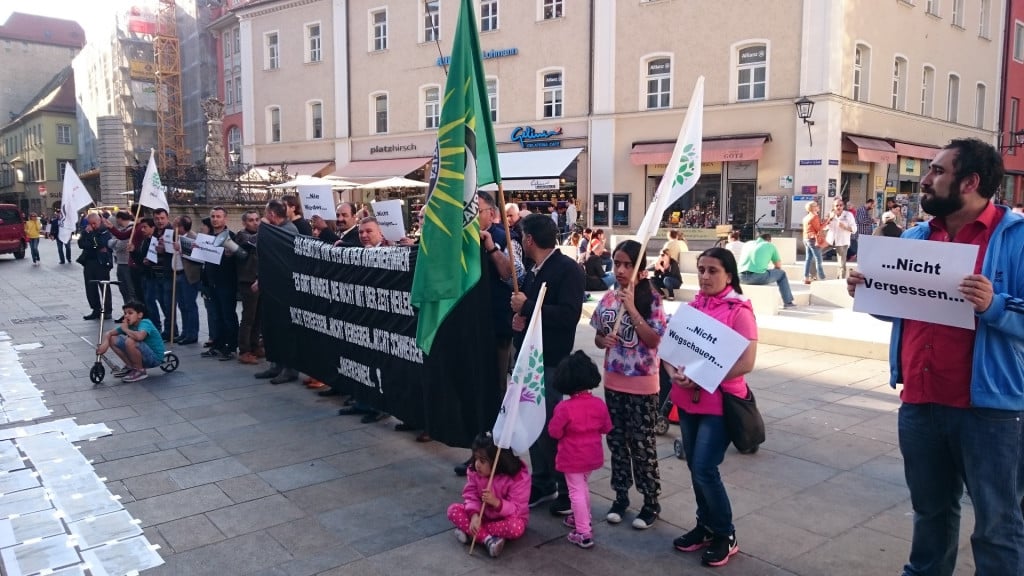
column 151, row 420
column 255, row 515
column 841, row 450
column 316, row 563
column 188, row 533
column 202, row 452
column 139, row 465
column 299, row 475
column 176, row 431
column 245, row 554
column 207, row 472
column 180, row 504
column 304, row 535
column 224, row 422
column 149, row 485
column 245, row 488
column 858, row 551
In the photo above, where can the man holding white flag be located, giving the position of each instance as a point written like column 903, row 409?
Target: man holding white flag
column 74, row 197
column 153, row 192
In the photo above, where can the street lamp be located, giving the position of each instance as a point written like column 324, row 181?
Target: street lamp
column 1017, row 140
column 804, row 109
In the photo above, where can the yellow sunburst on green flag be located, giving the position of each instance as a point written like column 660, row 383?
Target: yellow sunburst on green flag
column 448, row 264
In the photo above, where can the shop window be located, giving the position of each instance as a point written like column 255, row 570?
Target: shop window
column 431, row 107
column 431, row 20
column 492, row 97
column 927, row 90
column 953, row 100
column 313, row 43
column 899, row 83
column 316, row 120
column 379, row 29
column 659, row 83
column 551, row 9
column 752, row 73
column 274, row 124
column 552, row 95
column 271, row 54
column 380, row 114
column 861, row 72
column 980, row 95
column 488, row 15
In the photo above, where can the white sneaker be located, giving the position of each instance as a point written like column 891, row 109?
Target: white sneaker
column 461, row 536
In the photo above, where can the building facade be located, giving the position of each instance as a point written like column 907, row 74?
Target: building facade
column 1011, row 96
column 33, row 49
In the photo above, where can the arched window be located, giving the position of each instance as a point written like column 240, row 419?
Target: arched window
column 861, row 72
column 235, row 139
column 899, row 83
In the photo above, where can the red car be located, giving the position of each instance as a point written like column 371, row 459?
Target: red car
column 12, row 231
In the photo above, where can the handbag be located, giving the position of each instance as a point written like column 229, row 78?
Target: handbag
column 743, row 421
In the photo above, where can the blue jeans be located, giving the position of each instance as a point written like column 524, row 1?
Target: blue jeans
column 186, row 296
column 813, row 252
column 704, row 442
column 609, row 279
column 158, row 299
column 33, row 244
column 64, row 251
column 945, row 447
column 773, row 275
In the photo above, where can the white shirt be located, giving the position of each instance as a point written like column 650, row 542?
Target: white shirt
column 571, row 214
column 838, row 236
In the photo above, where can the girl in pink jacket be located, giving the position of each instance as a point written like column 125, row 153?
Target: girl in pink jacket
column 577, row 425
column 507, row 509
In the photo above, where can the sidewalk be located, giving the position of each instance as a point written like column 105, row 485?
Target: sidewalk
column 230, row 475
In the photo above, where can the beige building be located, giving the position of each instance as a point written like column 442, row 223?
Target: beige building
column 588, row 105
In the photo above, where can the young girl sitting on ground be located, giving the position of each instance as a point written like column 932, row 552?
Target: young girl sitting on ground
column 577, row 424
column 507, row 508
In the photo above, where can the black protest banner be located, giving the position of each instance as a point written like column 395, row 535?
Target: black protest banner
column 342, row 315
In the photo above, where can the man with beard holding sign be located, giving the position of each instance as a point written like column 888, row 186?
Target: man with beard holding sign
column 961, row 417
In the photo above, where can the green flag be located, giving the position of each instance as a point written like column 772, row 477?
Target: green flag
column 465, row 158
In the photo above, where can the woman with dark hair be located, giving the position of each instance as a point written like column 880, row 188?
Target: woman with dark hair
column 632, row 382
column 293, row 208
column 701, row 423
column 667, row 277
column 597, row 248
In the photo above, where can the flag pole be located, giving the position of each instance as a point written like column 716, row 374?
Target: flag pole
column 632, row 281
column 483, row 505
column 508, row 236
column 174, row 286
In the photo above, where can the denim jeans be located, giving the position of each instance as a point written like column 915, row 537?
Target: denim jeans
column 64, row 251
column 667, row 283
column 704, row 443
column 186, row 294
column 813, row 252
column 158, row 299
column 125, row 284
column 33, row 244
column 772, row 275
column 943, row 448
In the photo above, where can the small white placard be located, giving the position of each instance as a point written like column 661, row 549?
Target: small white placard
column 705, row 347
column 317, row 200
column 389, row 215
column 915, row 279
column 151, row 254
column 207, row 253
column 169, row 241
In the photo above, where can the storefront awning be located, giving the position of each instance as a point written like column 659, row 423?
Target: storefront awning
column 315, row 169
column 381, row 168
column 536, row 165
column 916, row 151
column 724, row 150
column 873, row 150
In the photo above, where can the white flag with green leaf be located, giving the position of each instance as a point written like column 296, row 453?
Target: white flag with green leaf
column 523, row 412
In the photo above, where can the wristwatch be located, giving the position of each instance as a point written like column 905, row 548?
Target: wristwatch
column 493, row 250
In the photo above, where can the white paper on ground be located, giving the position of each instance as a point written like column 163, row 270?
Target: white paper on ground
column 17, row 480
column 46, row 554
column 80, row 505
column 98, row 530
column 24, row 502
column 42, row 524
column 135, row 554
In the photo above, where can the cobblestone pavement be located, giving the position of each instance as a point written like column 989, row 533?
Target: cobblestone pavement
column 230, row 475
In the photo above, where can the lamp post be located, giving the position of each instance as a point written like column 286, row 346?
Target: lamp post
column 1017, row 139
column 804, row 109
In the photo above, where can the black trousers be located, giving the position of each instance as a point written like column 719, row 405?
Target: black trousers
column 93, row 291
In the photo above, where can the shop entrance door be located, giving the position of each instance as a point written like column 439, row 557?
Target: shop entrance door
column 741, row 208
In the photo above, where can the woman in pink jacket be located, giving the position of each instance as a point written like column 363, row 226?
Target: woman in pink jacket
column 700, row 413
column 577, row 424
column 500, row 513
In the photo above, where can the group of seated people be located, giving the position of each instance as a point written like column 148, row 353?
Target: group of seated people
column 595, row 258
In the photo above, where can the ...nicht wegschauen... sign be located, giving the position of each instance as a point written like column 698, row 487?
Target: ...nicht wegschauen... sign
column 530, row 138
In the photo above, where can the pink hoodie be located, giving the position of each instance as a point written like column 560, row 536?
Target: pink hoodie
column 577, row 424
column 733, row 310
column 513, row 491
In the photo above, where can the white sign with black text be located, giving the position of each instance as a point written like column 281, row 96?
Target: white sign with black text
column 317, row 200
column 203, row 250
column 389, row 215
column 915, row 279
column 703, row 346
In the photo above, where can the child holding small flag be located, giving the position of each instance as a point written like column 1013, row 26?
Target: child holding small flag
column 577, row 424
column 499, row 513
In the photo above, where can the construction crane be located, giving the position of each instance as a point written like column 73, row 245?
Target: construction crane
column 170, row 124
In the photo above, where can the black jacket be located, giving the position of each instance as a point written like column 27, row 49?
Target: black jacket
column 94, row 247
column 562, row 307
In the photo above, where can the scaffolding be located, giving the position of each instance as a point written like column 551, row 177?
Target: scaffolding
column 170, row 131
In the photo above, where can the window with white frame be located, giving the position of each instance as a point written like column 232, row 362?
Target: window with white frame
column 1018, row 41
column 980, row 94
column 316, row 120
column 953, row 98
column 985, row 8
column 552, row 94
column 380, row 113
column 313, row 43
column 927, row 90
column 235, row 139
column 63, row 133
column 431, row 107
column 229, row 91
column 958, row 13
column 488, row 15
column 551, row 9
column 228, row 44
column 238, row 88
column 237, row 39
column 932, row 7
column 431, row 20
column 899, row 84
column 272, row 54
column 752, row 73
column 659, row 82
column 861, row 72
column 492, row 97
column 1014, row 110
column 274, row 124
column 379, row 28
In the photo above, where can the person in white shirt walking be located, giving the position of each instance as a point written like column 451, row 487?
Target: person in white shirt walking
column 841, row 226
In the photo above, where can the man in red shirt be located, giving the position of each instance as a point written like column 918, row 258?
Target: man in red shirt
column 963, row 390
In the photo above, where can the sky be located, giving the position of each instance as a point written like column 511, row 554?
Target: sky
column 92, row 15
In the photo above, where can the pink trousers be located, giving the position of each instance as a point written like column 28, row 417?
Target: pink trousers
column 579, row 497
column 508, row 528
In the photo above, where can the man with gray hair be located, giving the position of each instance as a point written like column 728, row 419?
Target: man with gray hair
column 97, row 262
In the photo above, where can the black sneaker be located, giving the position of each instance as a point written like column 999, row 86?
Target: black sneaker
column 720, row 550
column 647, row 516
column 210, row 353
column 225, row 356
column 538, row 497
column 460, row 470
column 561, row 506
column 618, row 509
column 693, row 540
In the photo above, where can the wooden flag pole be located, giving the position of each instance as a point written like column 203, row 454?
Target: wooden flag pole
column 174, row 285
column 632, row 281
column 508, row 236
column 483, row 505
